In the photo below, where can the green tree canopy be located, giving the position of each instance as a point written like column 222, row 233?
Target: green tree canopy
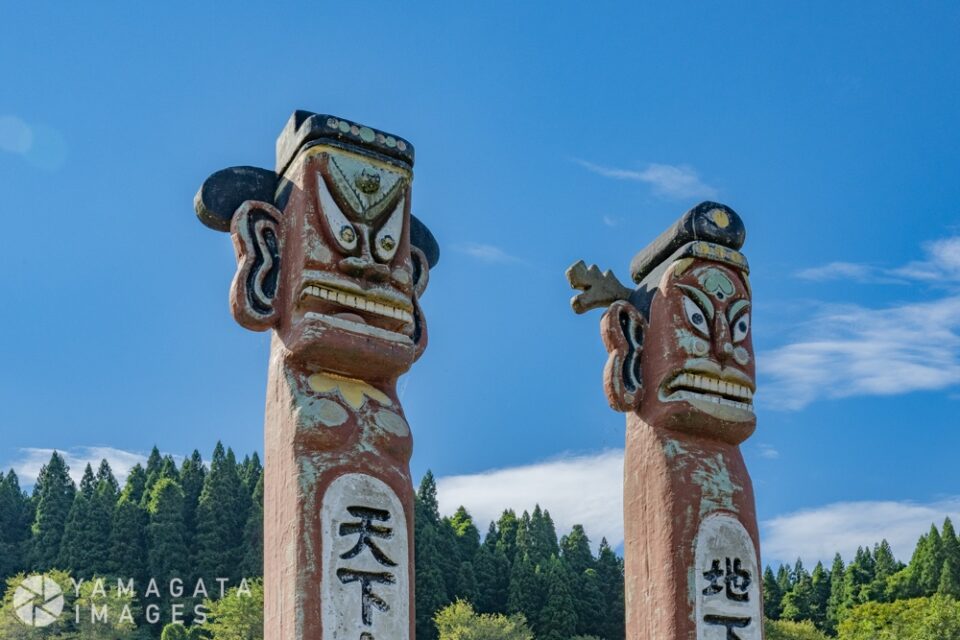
column 786, row 630
column 557, row 620
column 238, row 615
column 575, row 550
column 459, row 621
column 936, row 618
column 167, row 557
column 86, row 538
column 220, row 520
column 14, row 525
column 53, row 493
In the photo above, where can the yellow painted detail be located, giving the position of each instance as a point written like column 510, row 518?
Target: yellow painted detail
column 720, row 218
column 354, row 392
column 681, row 265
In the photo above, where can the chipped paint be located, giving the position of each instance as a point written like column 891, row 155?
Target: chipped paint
column 716, row 486
column 672, row 448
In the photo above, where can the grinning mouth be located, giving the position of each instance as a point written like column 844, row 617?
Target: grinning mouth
column 358, row 301
column 688, row 385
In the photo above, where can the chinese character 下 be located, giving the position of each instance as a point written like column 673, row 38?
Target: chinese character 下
column 366, row 531
column 729, row 622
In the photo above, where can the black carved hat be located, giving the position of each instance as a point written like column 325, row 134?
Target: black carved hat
column 224, row 191
column 710, row 230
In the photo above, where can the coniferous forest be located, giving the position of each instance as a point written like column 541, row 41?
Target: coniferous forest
column 204, row 523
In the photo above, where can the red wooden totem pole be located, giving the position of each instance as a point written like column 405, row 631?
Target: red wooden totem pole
column 681, row 366
column 330, row 258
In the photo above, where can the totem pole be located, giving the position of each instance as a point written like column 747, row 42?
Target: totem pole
column 681, row 366
column 330, row 258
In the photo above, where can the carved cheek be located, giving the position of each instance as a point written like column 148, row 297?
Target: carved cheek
column 692, row 344
column 742, row 356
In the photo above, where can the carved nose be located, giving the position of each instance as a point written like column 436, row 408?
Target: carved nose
column 361, row 268
column 723, row 349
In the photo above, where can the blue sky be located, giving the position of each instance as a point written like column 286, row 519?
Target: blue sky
column 545, row 133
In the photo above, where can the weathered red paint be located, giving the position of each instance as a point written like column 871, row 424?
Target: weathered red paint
column 681, row 365
column 346, row 324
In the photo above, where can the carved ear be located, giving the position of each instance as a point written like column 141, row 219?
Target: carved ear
column 256, row 241
column 421, row 270
column 422, row 238
column 622, row 328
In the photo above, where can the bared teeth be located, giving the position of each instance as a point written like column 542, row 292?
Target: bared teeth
column 356, row 302
column 713, row 386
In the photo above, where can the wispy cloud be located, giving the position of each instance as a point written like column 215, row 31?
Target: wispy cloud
column 853, row 350
column 610, row 221
column 585, row 490
column 31, row 460
column 667, row 180
column 942, row 262
column 38, row 144
column 842, row 271
column 818, row 533
column 768, row 451
column 16, row 136
column 940, row 265
column 485, row 252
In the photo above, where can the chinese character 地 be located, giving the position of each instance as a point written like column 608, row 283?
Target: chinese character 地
column 735, row 582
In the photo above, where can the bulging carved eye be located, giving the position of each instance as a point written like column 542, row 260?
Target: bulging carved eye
column 741, row 327
column 696, row 316
column 385, row 242
column 342, row 230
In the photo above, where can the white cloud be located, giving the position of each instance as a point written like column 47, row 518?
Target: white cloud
column 667, row 180
column 485, row 252
column 588, row 490
column 941, row 265
column 768, row 451
column 610, row 221
column 853, row 350
column 16, row 136
column 31, row 460
column 840, row 271
column 819, row 533
column 942, row 262
column 585, row 490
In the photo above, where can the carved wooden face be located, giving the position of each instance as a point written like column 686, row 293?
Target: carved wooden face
column 349, row 279
column 698, row 365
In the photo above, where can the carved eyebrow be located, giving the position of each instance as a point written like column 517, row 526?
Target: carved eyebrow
column 736, row 307
column 701, row 298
